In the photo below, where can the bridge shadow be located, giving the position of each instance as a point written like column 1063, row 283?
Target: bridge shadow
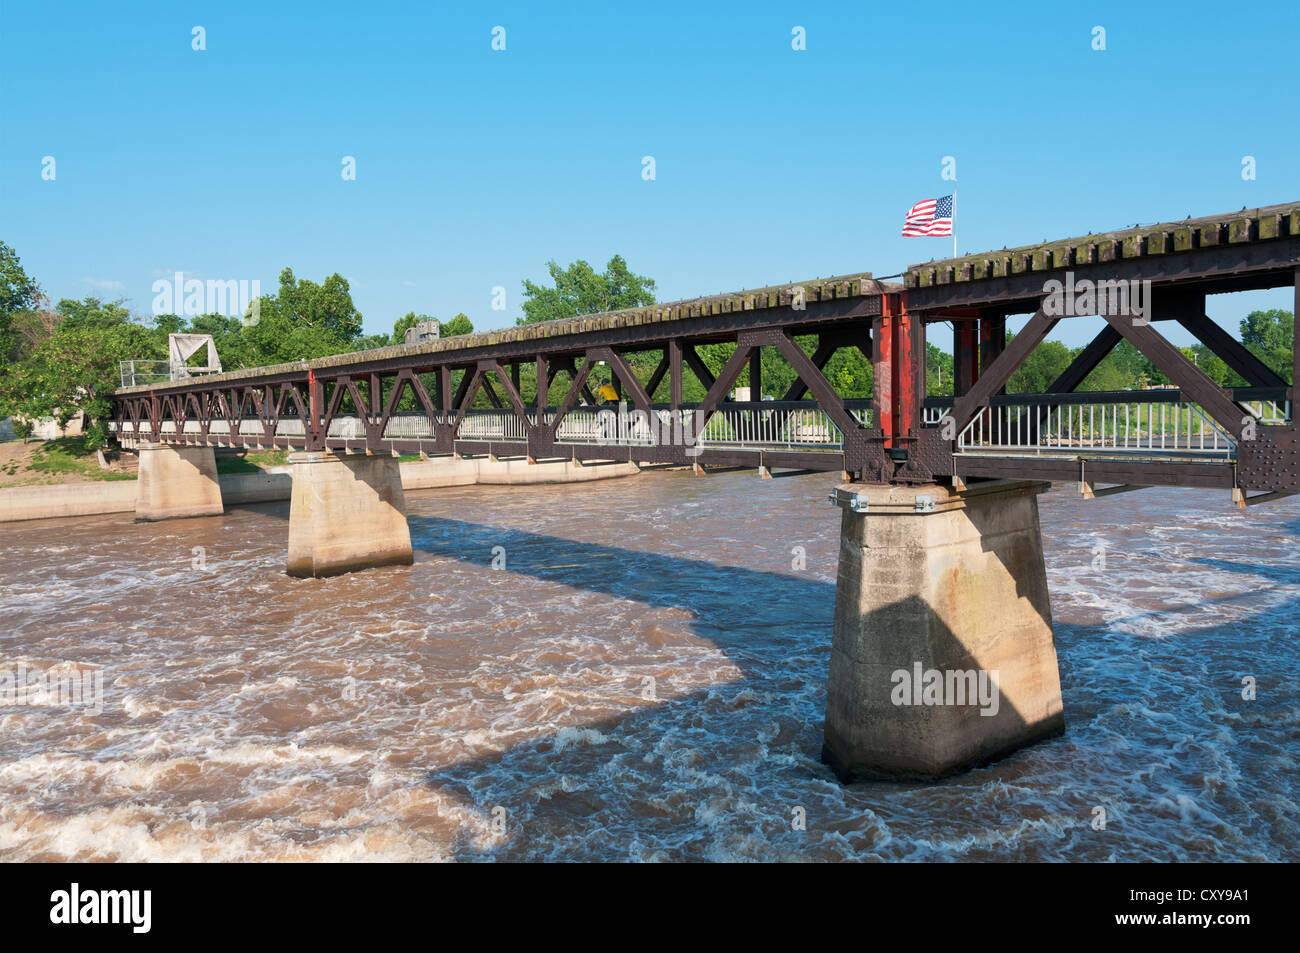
column 663, row 770
column 1285, row 575
column 725, row 602
column 609, row 773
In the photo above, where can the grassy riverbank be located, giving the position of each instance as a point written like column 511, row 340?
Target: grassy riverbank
column 55, row 462
column 250, row 461
column 67, row 460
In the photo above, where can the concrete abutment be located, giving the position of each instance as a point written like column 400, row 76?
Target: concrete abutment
column 943, row 656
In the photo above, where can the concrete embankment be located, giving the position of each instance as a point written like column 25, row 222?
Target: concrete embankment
column 68, row 499
column 275, row 484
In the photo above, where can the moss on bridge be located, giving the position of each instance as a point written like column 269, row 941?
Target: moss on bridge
column 1258, row 225
column 838, row 288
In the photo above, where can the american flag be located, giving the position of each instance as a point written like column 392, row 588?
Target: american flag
column 929, row 217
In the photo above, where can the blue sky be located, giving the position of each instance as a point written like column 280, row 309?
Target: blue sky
column 474, row 167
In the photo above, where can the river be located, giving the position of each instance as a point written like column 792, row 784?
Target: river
column 625, row 670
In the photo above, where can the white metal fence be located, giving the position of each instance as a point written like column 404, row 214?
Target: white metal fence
column 1172, row 428
column 1157, row 427
column 778, row 428
column 802, row 428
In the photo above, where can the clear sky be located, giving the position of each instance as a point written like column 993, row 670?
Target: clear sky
column 474, row 166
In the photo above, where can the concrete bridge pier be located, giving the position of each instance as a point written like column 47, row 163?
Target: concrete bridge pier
column 943, row 657
column 346, row 513
column 175, row 482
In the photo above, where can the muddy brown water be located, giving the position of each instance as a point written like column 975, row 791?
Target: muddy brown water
column 642, row 679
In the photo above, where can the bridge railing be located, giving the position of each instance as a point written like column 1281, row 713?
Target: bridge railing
column 1272, row 413
column 494, row 425
column 1122, row 428
column 1155, row 422
column 1149, row 422
column 784, row 425
column 776, row 425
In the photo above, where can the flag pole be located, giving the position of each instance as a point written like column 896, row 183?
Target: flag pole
column 954, row 221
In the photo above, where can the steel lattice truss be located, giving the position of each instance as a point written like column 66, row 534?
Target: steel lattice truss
column 1193, row 434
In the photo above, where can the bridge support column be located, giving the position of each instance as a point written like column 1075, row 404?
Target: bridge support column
column 942, row 657
column 346, row 513
column 175, row 482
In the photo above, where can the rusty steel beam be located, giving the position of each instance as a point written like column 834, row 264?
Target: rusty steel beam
column 1295, row 339
column 999, row 371
column 1218, row 403
column 623, row 373
column 1229, row 350
column 965, row 359
column 1154, row 473
column 697, row 366
column 576, row 385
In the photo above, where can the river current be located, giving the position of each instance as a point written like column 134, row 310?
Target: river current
column 632, row 669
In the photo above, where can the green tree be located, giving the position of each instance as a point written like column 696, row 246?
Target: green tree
column 76, row 369
column 580, row 289
column 304, row 320
column 850, row 373
column 18, row 292
column 1269, row 335
column 1044, row 365
column 938, row 371
column 92, row 312
column 458, row 325
column 1124, row 368
column 1214, row 367
column 31, row 327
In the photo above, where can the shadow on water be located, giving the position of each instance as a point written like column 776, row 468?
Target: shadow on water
column 746, row 613
column 727, row 602
column 751, row 615
column 578, row 782
column 1285, row 575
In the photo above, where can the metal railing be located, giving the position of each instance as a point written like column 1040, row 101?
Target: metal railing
column 1172, row 428
column 766, row 425
column 1156, row 421
column 1270, row 413
column 134, row 373
column 494, row 425
column 1153, row 422
column 770, row 425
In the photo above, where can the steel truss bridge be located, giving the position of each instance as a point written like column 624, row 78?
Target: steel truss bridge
column 1194, row 433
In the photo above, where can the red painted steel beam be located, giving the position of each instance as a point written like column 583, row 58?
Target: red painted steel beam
column 908, row 362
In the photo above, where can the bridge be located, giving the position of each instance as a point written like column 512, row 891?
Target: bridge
column 941, row 558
